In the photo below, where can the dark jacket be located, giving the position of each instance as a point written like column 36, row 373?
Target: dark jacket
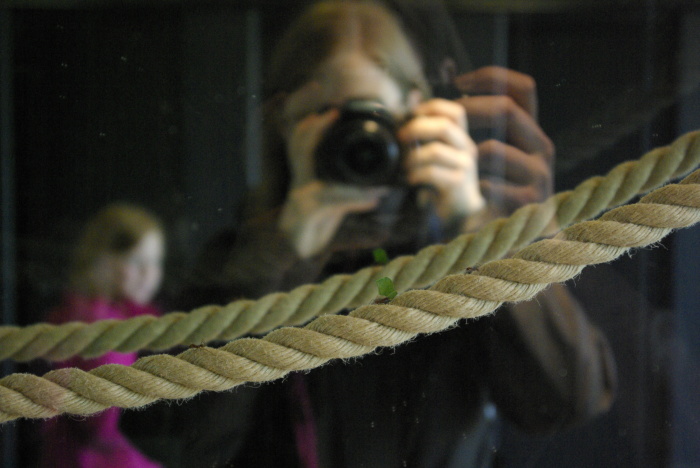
column 434, row 402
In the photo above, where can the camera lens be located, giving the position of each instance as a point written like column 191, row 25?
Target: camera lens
column 360, row 148
column 363, row 158
column 369, row 155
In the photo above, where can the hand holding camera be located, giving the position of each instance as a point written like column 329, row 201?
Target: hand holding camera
column 442, row 156
column 515, row 156
column 315, row 208
column 345, row 159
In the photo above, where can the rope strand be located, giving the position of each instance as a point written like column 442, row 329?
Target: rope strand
column 329, row 337
column 496, row 239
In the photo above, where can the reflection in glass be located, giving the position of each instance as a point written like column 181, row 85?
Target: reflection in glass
column 164, row 107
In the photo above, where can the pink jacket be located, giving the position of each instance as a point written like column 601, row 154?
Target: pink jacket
column 95, row 441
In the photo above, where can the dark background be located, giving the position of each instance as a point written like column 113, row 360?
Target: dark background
column 157, row 105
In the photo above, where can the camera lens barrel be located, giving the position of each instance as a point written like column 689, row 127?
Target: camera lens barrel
column 361, row 147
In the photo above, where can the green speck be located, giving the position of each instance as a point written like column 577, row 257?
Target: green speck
column 386, row 287
column 380, row 256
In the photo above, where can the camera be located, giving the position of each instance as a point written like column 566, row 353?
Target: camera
column 361, row 147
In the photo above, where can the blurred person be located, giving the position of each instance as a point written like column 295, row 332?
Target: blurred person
column 432, row 403
column 116, row 273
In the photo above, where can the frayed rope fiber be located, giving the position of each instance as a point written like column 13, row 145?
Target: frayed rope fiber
column 454, row 297
column 239, row 318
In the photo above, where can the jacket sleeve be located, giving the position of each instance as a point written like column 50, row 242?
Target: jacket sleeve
column 549, row 367
column 213, row 428
column 254, row 260
column 263, row 261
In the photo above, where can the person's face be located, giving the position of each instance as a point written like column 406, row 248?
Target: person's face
column 140, row 271
column 348, row 74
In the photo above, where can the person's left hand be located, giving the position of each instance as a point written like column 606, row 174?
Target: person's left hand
column 441, row 155
column 516, row 169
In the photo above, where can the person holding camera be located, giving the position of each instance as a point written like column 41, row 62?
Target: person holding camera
column 435, row 159
column 359, row 156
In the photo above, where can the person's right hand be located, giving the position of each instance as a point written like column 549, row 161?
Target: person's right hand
column 314, row 209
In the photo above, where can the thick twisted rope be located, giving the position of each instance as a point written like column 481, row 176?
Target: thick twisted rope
column 59, row 342
column 519, row 278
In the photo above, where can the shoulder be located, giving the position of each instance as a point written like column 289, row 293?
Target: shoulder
column 80, row 308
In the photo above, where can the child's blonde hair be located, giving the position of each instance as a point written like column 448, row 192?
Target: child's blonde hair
column 114, row 230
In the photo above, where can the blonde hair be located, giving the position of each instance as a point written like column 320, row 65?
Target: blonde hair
column 326, row 26
column 313, row 38
column 114, row 230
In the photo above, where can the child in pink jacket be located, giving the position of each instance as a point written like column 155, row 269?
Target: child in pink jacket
column 116, row 273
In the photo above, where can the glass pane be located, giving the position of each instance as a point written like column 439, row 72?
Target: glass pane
column 163, row 156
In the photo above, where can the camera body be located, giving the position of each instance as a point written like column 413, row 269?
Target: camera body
column 361, row 147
